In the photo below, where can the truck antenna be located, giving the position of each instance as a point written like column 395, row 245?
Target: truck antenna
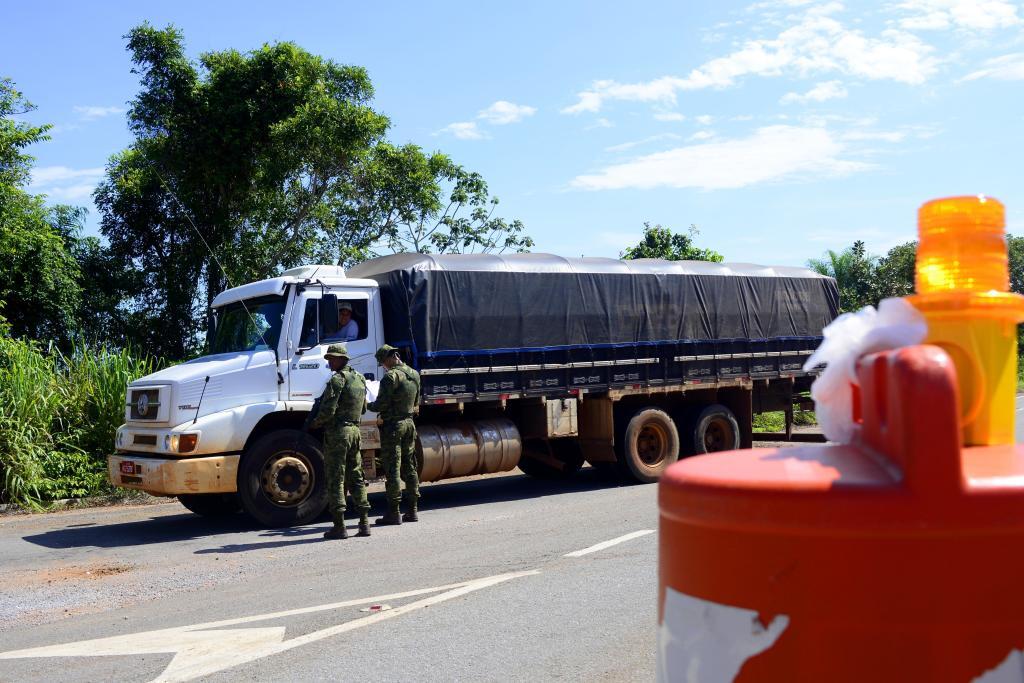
column 227, row 278
column 205, row 382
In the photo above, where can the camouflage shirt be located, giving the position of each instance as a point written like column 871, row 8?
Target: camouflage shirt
column 343, row 400
column 399, row 393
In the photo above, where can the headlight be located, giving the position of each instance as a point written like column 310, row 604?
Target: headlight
column 119, row 440
column 169, row 442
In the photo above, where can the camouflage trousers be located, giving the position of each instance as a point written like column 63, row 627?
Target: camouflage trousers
column 344, row 465
column 398, row 455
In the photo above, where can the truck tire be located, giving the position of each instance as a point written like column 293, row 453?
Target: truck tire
column 281, row 479
column 566, row 451
column 649, row 444
column 716, row 429
column 211, row 504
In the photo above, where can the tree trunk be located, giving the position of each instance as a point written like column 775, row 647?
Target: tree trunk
column 214, row 286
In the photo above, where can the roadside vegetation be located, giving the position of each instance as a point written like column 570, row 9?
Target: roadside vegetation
column 775, row 421
column 58, row 415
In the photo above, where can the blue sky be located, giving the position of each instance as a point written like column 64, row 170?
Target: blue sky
column 781, row 128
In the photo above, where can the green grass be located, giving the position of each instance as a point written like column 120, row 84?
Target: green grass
column 775, row 421
column 58, row 416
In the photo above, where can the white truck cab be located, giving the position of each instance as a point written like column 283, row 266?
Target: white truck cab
column 187, row 426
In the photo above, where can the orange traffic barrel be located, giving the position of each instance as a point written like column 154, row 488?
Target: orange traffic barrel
column 897, row 558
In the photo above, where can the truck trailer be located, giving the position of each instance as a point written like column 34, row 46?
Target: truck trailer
column 527, row 360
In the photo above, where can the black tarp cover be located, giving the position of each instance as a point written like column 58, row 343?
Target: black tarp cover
column 456, row 303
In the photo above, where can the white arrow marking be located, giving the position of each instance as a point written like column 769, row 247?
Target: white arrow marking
column 609, row 544
column 202, row 652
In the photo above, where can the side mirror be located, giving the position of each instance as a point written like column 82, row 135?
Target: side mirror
column 369, row 376
column 328, row 315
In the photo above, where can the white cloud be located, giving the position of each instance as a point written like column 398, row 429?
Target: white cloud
column 882, row 136
column 701, row 135
column 636, row 143
column 661, row 90
column 463, row 130
column 600, row 123
column 64, row 184
column 501, row 113
column 926, row 15
column 816, row 44
column 49, row 175
column 829, row 90
column 772, row 153
column 90, row 113
column 71, row 193
column 1006, row 68
column 704, row 119
column 669, row 116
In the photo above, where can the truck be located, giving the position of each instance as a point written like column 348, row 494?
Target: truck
column 527, row 360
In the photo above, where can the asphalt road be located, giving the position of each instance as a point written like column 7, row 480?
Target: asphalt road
column 489, row 585
column 504, row 578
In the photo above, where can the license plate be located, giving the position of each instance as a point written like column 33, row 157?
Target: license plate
column 128, row 467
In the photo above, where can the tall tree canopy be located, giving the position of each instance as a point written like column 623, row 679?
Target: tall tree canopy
column 659, row 242
column 40, row 291
column 262, row 161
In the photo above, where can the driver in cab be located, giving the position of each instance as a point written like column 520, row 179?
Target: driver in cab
column 348, row 329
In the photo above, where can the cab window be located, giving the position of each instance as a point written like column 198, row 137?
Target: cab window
column 352, row 316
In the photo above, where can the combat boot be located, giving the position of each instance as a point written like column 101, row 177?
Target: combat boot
column 364, row 526
column 410, row 515
column 336, row 532
column 390, row 517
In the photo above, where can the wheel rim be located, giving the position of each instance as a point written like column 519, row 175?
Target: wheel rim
column 287, row 479
column 717, row 436
column 652, row 444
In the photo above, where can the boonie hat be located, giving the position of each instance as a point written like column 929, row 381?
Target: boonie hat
column 385, row 351
column 337, row 351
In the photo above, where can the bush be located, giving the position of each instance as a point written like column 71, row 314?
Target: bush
column 58, row 416
column 775, row 421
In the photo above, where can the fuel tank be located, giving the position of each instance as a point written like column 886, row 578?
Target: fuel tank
column 465, row 448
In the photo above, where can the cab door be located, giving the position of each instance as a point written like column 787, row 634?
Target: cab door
column 308, row 371
column 315, row 328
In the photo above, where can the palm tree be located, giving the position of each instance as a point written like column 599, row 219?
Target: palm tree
column 852, row 269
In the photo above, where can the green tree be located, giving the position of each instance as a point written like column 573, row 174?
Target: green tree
column 261, row 161
column 853, row 270
column 241, row 156
column 894, row 272
column 662, row 243
column 103, row 317
column 464, row 223
column 1015, row 247
column 39, row 291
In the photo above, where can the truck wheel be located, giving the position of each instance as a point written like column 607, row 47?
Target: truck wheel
column 716, row 430
column 565, row 451
column 211, row 504
column 649, row 444
column 281, row 479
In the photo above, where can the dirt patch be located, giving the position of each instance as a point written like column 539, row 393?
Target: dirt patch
column 52, row 575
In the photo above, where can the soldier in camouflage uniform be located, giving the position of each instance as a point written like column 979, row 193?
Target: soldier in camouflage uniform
column 341, row 407
column 399, row 395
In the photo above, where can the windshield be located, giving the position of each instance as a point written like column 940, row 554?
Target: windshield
column 255, row 330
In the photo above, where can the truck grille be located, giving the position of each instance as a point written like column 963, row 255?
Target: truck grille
column 144, row 404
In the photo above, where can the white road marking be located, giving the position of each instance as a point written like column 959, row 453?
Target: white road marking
column 609, row 544
column 199, row 653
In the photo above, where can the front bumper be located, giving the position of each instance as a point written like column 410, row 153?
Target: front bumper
column 173, row 476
